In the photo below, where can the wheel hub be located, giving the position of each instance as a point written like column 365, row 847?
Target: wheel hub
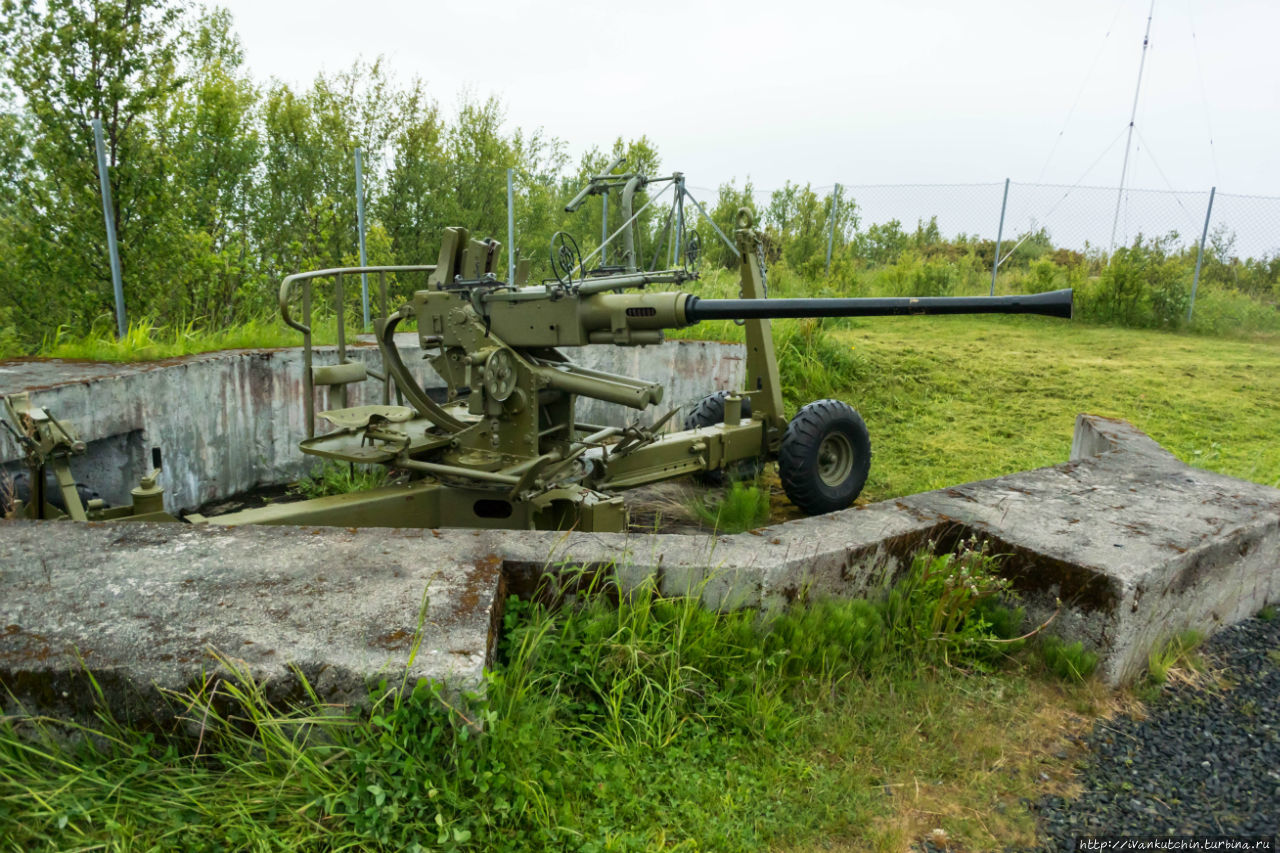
column 835, row 459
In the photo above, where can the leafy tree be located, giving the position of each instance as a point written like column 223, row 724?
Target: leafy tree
column 214, row 144
column 729, row 200
column 413, row 208
column 70, row 62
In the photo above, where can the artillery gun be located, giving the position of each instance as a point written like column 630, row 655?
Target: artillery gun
column 504, row 447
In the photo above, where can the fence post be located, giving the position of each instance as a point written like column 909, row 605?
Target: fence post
column 364, row 277
column 831, row 234
column 995, row 266
column 1195, row 283
column 604, row 228
column 678, row 201
column 113, row 251
column 511, row 227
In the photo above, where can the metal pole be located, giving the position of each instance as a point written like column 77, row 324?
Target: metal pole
column 113, row 251
column 364, row 277
column 675, row 244
column 604, row 228
column 511, row 227
column 712, row 223
column 1195, row 283
column 1146, row 39
column 831, row 235
column 995, row 267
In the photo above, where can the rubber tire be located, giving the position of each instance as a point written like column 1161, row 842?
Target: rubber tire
column 710, row 411
column 799, row 466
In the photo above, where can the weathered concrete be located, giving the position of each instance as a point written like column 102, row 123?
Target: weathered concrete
column 230, row 421
column 150, row 608
column 1137, row 546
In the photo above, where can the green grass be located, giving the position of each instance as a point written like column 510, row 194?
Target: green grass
column 1178, row 653
column 742, row 507
column 340, row 478
column 953, row 399
column 949, row 400
column 145, row 341
column 1068, row 661
column 647, row 723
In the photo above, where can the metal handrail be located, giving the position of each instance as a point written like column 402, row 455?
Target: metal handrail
column 287, row 285
column 286, row 288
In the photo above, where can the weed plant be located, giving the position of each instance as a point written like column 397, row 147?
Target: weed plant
column 1177, row 653
column 632, row 724
column 339, row 478
column 743, row 506
column 1068, row 661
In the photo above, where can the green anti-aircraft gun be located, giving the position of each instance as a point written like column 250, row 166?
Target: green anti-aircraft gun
column 505, row 449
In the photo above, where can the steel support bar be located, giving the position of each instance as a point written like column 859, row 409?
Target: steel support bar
column 108, row 213
column 364, row 277
column 995, row 266
column 712, row 223
column 679, row 233
column 604, row 227
column 511, row 227
column 1195, row 283
column 831, row 234
column 1124, row 169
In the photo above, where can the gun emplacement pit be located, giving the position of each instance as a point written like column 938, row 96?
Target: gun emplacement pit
column 1136, row 545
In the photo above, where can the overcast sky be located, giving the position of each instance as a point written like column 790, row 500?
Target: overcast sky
column 911, row 91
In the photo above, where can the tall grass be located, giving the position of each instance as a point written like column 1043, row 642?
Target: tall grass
column 628, row 725
column 743, row 506
column 340, row 478
column 145, row 341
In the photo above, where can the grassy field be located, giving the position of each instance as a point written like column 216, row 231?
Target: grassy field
column 954, row 399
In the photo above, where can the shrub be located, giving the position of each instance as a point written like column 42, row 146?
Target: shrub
column 933, row 278
column 1044, row 276
column 945, row 608
column 10, row 344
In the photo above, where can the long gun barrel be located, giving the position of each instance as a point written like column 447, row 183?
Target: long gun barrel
column 627, row 319
column 1055, row 303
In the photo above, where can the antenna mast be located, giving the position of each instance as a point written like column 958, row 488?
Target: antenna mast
column 1146, row 39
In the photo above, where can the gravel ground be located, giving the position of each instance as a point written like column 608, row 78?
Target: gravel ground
column 1205, row 761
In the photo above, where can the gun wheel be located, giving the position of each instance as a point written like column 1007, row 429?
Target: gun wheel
column 825, row 457
column 708, row 412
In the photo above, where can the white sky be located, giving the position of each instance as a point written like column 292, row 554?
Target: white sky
column 913, row 91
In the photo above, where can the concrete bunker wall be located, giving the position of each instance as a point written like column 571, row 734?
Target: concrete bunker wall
column 228, row 422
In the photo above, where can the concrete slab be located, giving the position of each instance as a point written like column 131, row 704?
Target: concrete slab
column 1137, row 547
column 149, row 608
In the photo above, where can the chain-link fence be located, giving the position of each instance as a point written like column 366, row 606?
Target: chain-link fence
column 1080, row 218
